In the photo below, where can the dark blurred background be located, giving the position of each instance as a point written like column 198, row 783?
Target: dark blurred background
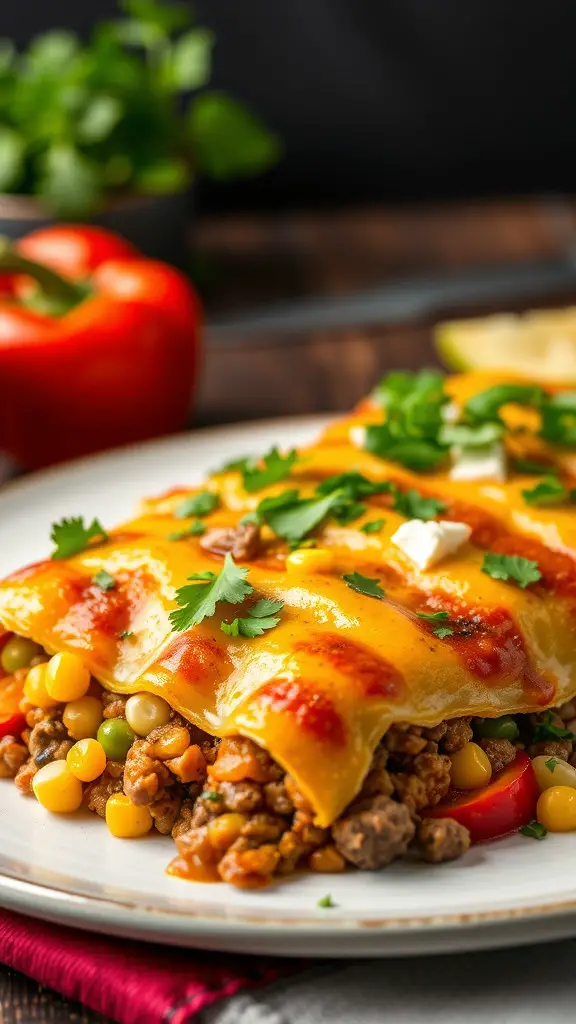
column 381, row 99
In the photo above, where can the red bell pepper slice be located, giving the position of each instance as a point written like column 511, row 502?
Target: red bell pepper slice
column 12, row 721
column 103, row 356
column 503, row 806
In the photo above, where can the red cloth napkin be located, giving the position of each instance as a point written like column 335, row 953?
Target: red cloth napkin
column 132, row 982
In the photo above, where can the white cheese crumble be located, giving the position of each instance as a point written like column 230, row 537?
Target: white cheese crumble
column 480, row 464
column 357, row 436
column 426, row 543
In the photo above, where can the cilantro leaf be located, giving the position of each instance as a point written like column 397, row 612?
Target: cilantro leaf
column 196, row 529
column 546, row 730
column 210, row 795
column 413, row 405
column 551, row 763
column 534, row 830
column 126, row 634
column 465, row 435
column 559, row 418
column 293, row 518
column 348, row 512
column 71, row 536
column 433, row 616
column 262, row 616
column 199, row 504
column 532, row 467
column 197, row 601
column 505, row 567
column 442, row 632
column 104, row 580
column 549, row 491
column 414, row 505
column 326, row 902
column 353, row 484
column 237, row 465
column 275, row 467
column 486, row 404
column 364, row 585
column 414, row 453
column 373, row 526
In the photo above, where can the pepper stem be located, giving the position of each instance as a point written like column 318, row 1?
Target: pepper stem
column 54, row 286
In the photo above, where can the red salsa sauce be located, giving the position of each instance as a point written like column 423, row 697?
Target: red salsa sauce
column 372, row 675
column 198, row 660
column 312, row 710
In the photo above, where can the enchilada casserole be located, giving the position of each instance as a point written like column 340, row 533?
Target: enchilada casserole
column 336, row 656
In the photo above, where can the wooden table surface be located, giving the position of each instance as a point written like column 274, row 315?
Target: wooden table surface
column 245, row 262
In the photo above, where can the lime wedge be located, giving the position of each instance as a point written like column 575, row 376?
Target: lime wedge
column 540, row 343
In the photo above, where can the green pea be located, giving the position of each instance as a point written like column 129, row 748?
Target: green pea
column 503, row 728
column 18, row 653
column 116, row 738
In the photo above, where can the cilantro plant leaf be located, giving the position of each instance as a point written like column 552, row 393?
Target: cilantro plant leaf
column 71, row 536
column 373, row 526
column 414, row 453
column 534, row 830
column 126, row 634
column 199, row 504
column 486, row 404
column 414, row 505
column 326, row 902
column 433, row 616
column 413, row 405
column 559, row 419
column 198, row 600
column 442, row 631
column 275, row 467
column 293, row 518
column 549, row 491
column 466, row 435
column 353, row 484
column 348, row 512
column 532, row 467
column 551, row 763
column 104, row 580
column 548, row 730
column 196, row 529
column 511, row 567
column 364, row 585
column 261, row 616
column 237, row 465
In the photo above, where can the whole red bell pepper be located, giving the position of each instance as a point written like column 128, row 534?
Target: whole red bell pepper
column 98, row 345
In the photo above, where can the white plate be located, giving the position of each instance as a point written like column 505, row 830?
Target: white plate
column 69, row 869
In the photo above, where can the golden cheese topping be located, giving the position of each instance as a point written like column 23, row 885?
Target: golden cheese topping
column 319, row 690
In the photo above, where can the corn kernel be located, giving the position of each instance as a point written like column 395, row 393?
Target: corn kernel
column 327, row 860
column 35, row 688
column 305, row 560
column 172, row 745
column 86, row 760
column 470, row 767
column 82, row 717
column 556, row 809
column 146, row 711
column 126, row 820
column 67, row 678
column 225, row 829
column 56, row 788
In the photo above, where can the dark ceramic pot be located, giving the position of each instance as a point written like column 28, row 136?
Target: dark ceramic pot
column 157, row 225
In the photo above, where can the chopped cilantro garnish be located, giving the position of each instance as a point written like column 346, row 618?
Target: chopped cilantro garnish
column 348, row 512
column 104, row 580
column 198, row 600
column 262, row 616
column 547, row 730
column 196, row 529
column 294, row 517
column 413, row 406
column 549, row 491
column 236, row 465
column 465, row 435
column 295, row 545
column 210, row 795
column 126, row 634
column 364, row 585
column 534, row 830
column 511, row 567
column 373, row 526
column 559, row 418
column 353, row 484
column 531, row 467
column 442, row 631
column 433, row 616
column 326, row 902
column 551, row 763
column 486, row 405
column 414, row 505
column 199, row 504
column 71, row 536
column 273, row 468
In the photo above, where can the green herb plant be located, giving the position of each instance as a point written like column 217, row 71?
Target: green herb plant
column 127, row 112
